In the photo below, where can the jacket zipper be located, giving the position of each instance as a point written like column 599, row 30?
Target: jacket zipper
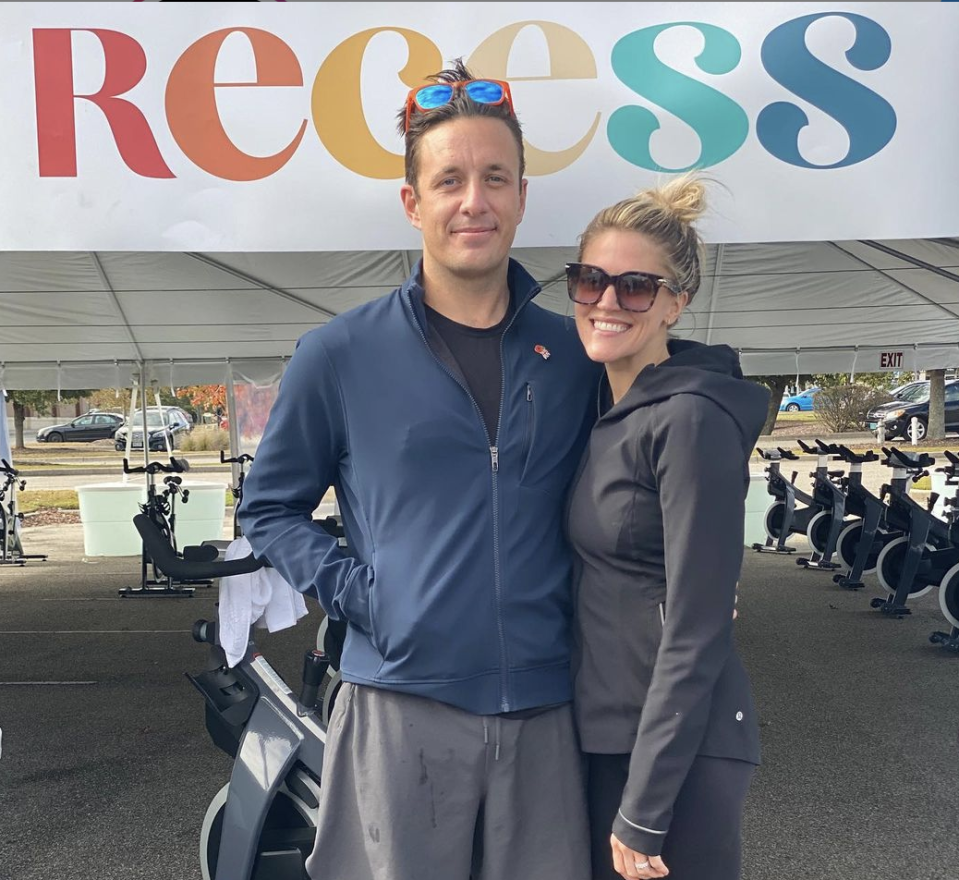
column 494, row 469
column 497, row 578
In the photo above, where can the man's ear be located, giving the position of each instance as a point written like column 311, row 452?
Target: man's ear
column 410, row 205
column 522, row 200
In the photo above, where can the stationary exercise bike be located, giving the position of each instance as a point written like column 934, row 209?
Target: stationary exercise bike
column 11, row 547
column 783, row 517
column 160, row 509
column 911, row 565
column 262, row 824
column 237, row 490
column 783, row 508
column 949, row 585
column 823, row 529
column 861, row 540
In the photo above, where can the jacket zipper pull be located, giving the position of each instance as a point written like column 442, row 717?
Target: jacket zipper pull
column 494, row 454
column 529, row 393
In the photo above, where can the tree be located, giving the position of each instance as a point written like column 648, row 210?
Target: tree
column 253, row 406
column 843, row 406
column 881, row 382
column 107, row 400
column 936, row 429
column 206, row 398
column 41, row 401
column 111, row 400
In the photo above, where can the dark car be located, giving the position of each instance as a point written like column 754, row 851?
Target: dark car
column 92, row 426
column 911, row 391
column 896, row 416
column 164, row 427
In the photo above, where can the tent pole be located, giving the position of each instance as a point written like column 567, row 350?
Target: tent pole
column 231, row 417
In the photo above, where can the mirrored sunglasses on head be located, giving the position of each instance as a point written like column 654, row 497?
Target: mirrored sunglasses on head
column 482, row 91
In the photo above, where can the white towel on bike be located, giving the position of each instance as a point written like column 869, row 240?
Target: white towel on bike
column 262, row 598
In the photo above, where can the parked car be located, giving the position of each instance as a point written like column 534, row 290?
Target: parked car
column 911, row 391
column 164, row 425
column 85, row 428
column 802, row 402
column 896, row 416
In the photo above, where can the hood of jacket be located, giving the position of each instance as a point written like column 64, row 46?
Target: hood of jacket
column 710, row 371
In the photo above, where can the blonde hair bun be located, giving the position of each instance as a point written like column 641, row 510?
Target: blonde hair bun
column 666, row 215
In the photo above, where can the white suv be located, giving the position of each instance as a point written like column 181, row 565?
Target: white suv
column 164, row 426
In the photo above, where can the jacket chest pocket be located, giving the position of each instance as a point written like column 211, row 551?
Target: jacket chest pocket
column 549, row 435
column 528, row 421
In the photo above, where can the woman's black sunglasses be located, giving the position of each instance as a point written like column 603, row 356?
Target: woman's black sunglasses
column 635, row 291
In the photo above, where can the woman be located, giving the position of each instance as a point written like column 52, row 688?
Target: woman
column 656, row 519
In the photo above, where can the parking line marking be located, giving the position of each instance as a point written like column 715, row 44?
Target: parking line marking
column 40, row 683
column 74, row 632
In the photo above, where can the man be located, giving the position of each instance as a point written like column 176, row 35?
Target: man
column 449, row 416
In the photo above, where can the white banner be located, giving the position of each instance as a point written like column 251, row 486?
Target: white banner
column 271, row 127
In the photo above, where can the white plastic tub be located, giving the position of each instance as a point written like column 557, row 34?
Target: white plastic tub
column 107, row 511
column 758, row 500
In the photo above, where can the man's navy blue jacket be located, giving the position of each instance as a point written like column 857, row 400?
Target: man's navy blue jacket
column 458, row 583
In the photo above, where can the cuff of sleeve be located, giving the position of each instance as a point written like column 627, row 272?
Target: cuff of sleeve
column 355, row 604
column 644, row 840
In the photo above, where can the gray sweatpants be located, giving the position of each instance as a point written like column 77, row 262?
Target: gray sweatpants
column 414, row 789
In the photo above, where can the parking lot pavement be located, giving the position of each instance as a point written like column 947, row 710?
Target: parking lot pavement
column 107, row 769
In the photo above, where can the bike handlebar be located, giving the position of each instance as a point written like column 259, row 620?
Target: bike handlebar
column 846, row 454
column 241, row 459
column 897, row 458
column 176, row 466
column 7, row 468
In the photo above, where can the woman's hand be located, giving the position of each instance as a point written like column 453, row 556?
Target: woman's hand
column 632, row 864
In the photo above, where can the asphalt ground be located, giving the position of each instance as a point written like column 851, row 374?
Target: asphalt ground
column 107, row 769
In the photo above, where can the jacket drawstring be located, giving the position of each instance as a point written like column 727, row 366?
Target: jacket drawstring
column 499, row 723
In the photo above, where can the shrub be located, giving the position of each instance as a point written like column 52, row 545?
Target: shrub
column 844, row 407
column 205, row 439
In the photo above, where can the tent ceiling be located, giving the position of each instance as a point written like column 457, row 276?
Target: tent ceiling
column 84, row 319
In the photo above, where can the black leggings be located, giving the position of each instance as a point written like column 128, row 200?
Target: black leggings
column 704, row 837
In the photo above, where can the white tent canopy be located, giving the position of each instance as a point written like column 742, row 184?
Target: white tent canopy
column 88, row 320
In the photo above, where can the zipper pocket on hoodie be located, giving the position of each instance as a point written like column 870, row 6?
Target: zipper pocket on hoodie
column 528, row 439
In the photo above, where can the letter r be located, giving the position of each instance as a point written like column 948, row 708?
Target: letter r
column 124, row 66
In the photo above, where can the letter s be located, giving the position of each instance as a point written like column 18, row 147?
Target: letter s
column 720, row 123
column 869, row 119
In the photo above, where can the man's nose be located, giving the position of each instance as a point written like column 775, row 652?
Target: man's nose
column 474, row 198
